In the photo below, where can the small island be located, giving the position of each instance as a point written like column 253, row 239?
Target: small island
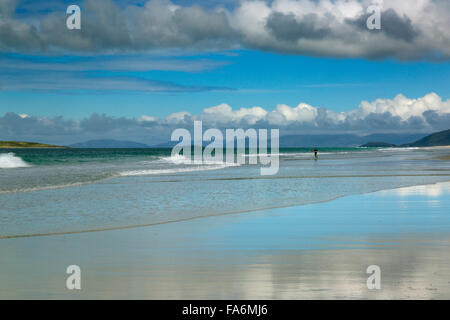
column 378, row 145
column 22, row 144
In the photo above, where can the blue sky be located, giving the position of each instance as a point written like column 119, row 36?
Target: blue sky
column 150, row 65
column 242, row 78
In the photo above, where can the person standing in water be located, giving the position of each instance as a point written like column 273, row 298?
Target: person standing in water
column 315, row 154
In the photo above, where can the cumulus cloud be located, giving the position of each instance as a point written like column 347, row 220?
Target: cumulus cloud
column 394, row 26
column 308, row 27
column 223, row 114
column 403, row 107
column 179, row 118
column 66, row 131
column 145, row 118
column 398, row 115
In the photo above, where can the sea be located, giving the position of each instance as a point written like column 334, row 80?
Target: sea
column 62, row 191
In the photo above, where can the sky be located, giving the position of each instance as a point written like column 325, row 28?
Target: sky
column 138, row 69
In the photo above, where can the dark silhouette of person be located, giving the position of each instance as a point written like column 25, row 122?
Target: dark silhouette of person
column 315, row 154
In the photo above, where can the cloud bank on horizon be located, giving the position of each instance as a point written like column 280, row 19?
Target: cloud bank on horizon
column 400, row 114
column 304, row 27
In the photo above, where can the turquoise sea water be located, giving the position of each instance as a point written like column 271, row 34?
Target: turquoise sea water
column 45, row 191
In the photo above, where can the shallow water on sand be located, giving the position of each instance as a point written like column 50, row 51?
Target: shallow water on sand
column 318, row 251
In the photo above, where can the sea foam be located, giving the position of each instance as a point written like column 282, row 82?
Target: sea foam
column 181, row 160
column 10, row 160
column 172, row 170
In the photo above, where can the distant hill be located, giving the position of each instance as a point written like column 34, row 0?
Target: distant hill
column 344, row 140
column 22, row 144
column 330, row 140
column 169, row 144
column 396, row 139
column 323, row 140
column 108, row 143
column 378, row 145
column 441, row 138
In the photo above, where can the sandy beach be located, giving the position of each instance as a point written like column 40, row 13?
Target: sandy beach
column 318, row 251
column 230, row 150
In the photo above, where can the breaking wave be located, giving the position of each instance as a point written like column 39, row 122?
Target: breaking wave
column 10, row 160
column 173, row 170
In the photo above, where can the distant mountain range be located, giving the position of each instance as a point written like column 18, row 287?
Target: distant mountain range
column 345, row 140
column 108, row 143
column 292, row 141
column 330, row 140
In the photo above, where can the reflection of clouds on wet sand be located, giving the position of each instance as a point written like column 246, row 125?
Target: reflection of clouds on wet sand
column 340, row 274
column 432, row 190
column 318, row 251
column 406, row 273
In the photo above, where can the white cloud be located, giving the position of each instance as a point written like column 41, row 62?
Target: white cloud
column 398, row 115
column 284, row 114
column 145, row 118
column 400, row 108
column 223, row 113
column 403, row 107
column 178, row 117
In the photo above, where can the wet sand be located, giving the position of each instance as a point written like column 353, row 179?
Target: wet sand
column 318, row 251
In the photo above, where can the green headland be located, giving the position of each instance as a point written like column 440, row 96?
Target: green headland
column 22, row 144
